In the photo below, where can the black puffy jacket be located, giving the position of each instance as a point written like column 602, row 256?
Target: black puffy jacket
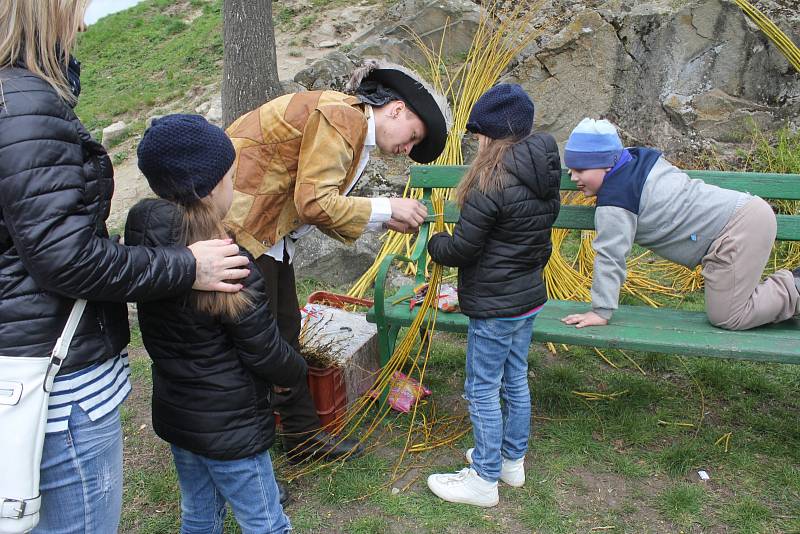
column 501, row 241
column 56, row 184
column 211, row 376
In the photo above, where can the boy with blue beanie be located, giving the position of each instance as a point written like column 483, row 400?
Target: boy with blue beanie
column 643, row 199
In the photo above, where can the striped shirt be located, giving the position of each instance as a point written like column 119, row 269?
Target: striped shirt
column 97, row 389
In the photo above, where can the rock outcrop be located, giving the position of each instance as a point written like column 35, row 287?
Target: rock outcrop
column 680, row 75
column 683, row 76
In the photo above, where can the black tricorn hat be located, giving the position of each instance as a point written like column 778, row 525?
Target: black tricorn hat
column 424, row 100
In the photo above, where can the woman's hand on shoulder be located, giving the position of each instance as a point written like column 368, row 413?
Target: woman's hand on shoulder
column 218, row 262
column 584, row 319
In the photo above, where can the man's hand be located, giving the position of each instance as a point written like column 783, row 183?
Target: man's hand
column 398, row 227
column 584, row 319
column 408, row 212
column 218, row 260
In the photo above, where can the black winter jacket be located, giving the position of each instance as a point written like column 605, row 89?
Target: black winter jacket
column 211, row 376
column 56, row 184
column 501, row 241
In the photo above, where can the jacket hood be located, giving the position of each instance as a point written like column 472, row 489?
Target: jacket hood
column 529, row 161
column 154, row 222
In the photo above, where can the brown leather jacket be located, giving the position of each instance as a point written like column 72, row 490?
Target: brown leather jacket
column 295, row 157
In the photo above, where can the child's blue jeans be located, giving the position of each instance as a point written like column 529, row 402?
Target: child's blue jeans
column 247, row 484
column 497, row 367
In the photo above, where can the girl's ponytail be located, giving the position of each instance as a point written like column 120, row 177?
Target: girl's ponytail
column 487, row 172
column 201, row 221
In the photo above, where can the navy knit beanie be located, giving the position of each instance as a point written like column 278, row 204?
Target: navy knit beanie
column 184, row 157
column 503, row 111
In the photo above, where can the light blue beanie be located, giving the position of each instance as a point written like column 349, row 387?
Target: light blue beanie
column 593, row 144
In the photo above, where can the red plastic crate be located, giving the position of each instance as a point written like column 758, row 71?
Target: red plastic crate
column 329, row 392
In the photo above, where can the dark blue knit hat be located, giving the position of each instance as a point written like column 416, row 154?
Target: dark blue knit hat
column 184, row 157
column 505, row 110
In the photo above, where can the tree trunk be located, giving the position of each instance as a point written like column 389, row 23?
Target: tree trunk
column 250, row 71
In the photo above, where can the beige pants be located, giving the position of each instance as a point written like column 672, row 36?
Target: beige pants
column 736, row 299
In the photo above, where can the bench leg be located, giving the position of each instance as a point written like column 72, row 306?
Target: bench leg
column 387, row 339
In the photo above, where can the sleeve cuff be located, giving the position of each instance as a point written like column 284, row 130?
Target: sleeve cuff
column 381, row 213
column 381, row 210
column 605, row 313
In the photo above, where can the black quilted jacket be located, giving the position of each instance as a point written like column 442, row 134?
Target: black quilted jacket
column 211, row 376
column 56, row 184
column 501, row 242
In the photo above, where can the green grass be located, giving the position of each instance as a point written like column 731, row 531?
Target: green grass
column 136, row 333
column 141, row 58
column 284, row 15
column 306, row 21
column 748, row 514
column 590, row 464
column 681, row 502
column 777, row 153
column 367, row 525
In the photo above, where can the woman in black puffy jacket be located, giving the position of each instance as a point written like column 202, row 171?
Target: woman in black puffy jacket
column 56, row 184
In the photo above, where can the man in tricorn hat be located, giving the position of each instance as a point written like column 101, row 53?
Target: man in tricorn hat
column 297, row 158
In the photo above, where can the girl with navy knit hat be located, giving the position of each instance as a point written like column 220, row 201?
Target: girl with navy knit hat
column 644, row 199
column 509, row 201
column 215, row 355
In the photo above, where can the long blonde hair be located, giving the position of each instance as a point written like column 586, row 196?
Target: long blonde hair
column 487, row 172
column 200, row 221
column 41, row 34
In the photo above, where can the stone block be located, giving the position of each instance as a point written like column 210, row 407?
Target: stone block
column 350, row 339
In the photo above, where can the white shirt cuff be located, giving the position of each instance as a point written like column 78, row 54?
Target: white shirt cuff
column 381, row 212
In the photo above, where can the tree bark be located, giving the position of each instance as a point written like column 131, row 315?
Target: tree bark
column 250, row 69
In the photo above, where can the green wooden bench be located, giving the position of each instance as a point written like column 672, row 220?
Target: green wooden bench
column 633, row 327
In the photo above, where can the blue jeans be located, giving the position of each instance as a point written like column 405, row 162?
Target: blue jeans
column 81, row 476
column 497, row 367
column 247, row 484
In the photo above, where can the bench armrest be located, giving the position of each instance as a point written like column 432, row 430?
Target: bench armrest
column 417, row 257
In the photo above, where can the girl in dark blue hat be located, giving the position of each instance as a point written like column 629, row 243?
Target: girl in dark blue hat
column 509, row 201
column 215, row 355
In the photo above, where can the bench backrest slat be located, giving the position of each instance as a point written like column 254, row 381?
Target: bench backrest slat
column 773, row 186
column 582, row 218
column 766, row 185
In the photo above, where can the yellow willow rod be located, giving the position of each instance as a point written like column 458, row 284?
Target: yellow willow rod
column 486, row 69
column 431, row 299
column 354, row 417
column 452, row 154
column 775, row 34
column 397, row 359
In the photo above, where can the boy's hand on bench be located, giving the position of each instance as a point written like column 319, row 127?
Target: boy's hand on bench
column 584, row 319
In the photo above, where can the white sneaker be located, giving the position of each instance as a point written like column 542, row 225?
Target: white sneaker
column 512, row 472
column 465, row 487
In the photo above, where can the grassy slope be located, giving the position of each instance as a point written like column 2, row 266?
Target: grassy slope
column 141, row 58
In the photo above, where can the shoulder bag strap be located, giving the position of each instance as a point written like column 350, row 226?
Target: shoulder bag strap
column 62, row 344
